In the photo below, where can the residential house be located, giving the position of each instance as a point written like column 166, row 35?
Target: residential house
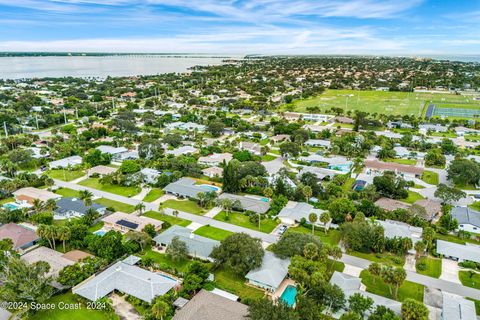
column 404, row 153
column 215, row 159
column 308, row 116
column 150, row 175
column 187, row 188
column 198, row 246
column 344, row 120
column 66, row 162
column 391, row 204
column 129, row 155
column 54, row 258
column 459, row 252
column 28, row 195
column 318, row 143
column 183, row 150
column 126, row 277
column 187, row 126
column 251, row 147
column 101, row 170
column 256, row 204
column 21, row 236
column 424, row 128
column 294, row 212
column 279, row 138
column 73, row 208
column 270, row 274
column 38, row 153
column 407, row 171
column 468, row 219
column 207, row 305
column 213, row 172
column 124, row 222
column 455, row 307
column 115, row 152
column 321, row 173
column 432, row 208
column 334, row 163
column 351, row 285
column 396, row 229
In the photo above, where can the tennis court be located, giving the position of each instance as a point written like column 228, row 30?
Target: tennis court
column 455, row 112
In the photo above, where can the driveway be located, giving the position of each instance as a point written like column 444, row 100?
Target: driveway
column 274, row 166
column 124, row 309
column 352, row 271
column 450, row 271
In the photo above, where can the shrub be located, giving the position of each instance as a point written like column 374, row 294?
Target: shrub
column 422, row 266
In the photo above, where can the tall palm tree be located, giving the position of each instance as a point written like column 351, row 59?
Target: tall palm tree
column 86, row 196
column 50, row 205
column 140, row 207
column 160, row 309
column 63, row 235
column 37, row 205
column 312, row 217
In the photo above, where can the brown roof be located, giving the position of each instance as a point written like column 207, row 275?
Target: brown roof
column 19, row 235
column 76, row 255
column 392, row 166
column 344, row 120
column 432, row 207
column 210, row 306
column 390, row 204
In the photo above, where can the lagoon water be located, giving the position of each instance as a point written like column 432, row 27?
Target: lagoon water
column 99, row 66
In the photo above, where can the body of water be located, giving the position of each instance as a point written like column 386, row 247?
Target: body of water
column 99, row 66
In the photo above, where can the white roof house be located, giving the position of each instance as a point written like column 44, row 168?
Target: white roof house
column 111, row 150
column 182, row 150
column 458, row 252
column 396, row 229
column 294, row 212
column 65, row 162
column 127, row 278
column 270, row 274
column 457, row 308
column 150, row 175
column 215, row 159
column 248, row 202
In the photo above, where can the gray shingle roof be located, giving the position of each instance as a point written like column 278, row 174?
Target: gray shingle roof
column 73, row 204
column 399, row 229
column 457, row 308
column 132, row 280
column 465, row 215
column 248, row 203
column 209, row 306
column 184, row 187
column 298, row 211
column 272, row 271
column 460, row 251
column 198, row 246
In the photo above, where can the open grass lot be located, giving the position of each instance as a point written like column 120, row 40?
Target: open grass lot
column 430, row 177
column 234, row 283
column 402, row 161
column 68, row 193
column 469, row 279
column 117, row 206
column 112, row 188
column 184, row 205
column 212, row 233
column 332, row 237
column 163, row 259
column 58, row 313
column 242, row 220
column 268, row 157
column 385, row 258
column 412, row 197
column 434, row 267
column 65, row 175
column 153, row 195
column 97, row 226
column 167, row 218
column 377, row 286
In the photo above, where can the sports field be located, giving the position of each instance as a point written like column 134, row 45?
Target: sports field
column 398, row 103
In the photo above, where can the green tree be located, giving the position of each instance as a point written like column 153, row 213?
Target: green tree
column 129, row 166
column 160, row 309
column 449, row 194
column 239, row 252
column 290, row 149
column 375, row 270
column 428, row 235
column 177, row 249
column 325, row 218
column 360, row 304
column 448, row 222
column 340, row 208
column 414, row 310
column 313, row 218
column 215, row 128
column 464, row 171
column 265, row 309
column 293, row 243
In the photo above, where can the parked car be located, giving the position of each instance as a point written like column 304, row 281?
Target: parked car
column 282, row 229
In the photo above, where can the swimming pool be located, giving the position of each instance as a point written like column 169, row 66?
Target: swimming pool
column 11, row 206
column 209, row 187
column 289, row 294
column 340, row 167
column 100, row 232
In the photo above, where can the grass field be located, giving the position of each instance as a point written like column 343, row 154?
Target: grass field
column 167, row 218
column 60, row 313
column 212, row 233
column 66, row 192
column 268, row 157
column 153, row 195
column 65, row 175
column 412, row 197
column 184, row 205
column 434, row 267
column 377, row 286
column 385, row 258
column 229, row 281
column 411, row 162
column 469, row 279
column 242, row 220
column 430, row 177
column 161, row 258
column 396, row 103
column 332, row 237
column 112, row 188
column 117, row 206
column 6, row 200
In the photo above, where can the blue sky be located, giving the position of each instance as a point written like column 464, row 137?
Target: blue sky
column 392, row 27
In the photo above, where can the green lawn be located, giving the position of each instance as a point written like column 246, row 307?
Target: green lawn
column 434, row 267
column 112, row 188
column 410, row 162
column 412, row 197
column 66, row 192
column 153, row 195
column 430, row 177
column 268, row 157
column 377, row 286
column 65, row 175
column 242, row 220
column 475, row 205
column 212, row 232
column 385, row 258
column 117, row 206
column 234, row 283
column 332, row 237
column 347, row 186
column 59, row 313
column 167, row 218
column 469, row 279
column 6, row 200
column 97, row 226
column 184, row 205
column 161, row 258
column 465, row 186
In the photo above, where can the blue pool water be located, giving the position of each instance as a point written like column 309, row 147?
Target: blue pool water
column 10, row 206
column 167, row 277
column 100, row 232
column 289, row 294
column 340, row 167
column 209, row 187
column 264, row 199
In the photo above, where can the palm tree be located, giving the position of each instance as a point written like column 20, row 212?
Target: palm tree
column 324, row 218
column 160, row 309
column 307, row 192
column 50, row 205
column 201, row 197
column 37, row 205
column 63, row 235
column 140, row 207
column 86, row 196
column 42, row 231
column 312, row 217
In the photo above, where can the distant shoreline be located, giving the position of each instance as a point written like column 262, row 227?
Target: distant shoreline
column 110, row 54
